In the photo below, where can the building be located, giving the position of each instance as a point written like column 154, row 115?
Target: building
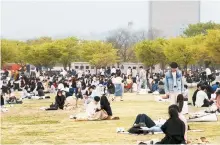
column 86, row 66
column 170, row 18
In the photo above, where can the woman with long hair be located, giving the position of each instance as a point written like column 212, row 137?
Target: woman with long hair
column 59, row 102
column 174, row 128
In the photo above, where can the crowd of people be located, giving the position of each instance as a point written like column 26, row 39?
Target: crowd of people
column 98, row 91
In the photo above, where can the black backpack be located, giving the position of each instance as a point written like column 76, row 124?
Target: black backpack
column 136, row 129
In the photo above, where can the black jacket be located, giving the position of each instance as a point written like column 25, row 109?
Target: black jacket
column 106, row 105
column 60, row 101
column 174, row 130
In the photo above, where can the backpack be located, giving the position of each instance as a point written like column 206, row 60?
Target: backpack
column 136, row 129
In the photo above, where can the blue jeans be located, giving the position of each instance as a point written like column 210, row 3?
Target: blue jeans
column 156, row 128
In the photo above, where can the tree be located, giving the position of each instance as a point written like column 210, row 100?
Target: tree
column 200, row 28
column 212, row 44
column 181, row 51
column 160, row 43
column 150, row 52
column 40, row 40
column 99, row 53
column 69, row 49
column 13, row 52
column 7, row 52
column 124, row 39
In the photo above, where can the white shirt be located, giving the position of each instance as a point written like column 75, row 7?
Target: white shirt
column 95, row 83
column 186, row 93
column 128, row 72
column 60, row 86
column 208, row 71
column 113, row 70
column 142, row 74
column 102, row 71
column 174, row 78
column 200, row 97
column 80, row 74
column 91, row 108
column 117, row 80
column 134, row 73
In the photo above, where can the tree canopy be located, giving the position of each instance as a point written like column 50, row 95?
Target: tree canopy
column 200, row 28
column 98, row 53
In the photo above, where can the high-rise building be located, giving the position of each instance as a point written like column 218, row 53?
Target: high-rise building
column 170, row 18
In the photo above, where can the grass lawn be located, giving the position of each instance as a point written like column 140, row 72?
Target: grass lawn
column 26, row 124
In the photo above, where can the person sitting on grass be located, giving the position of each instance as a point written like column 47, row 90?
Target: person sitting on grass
column 186, row 93
column 202, row 99
column 105, row 105
column 218, row 101
column 59, row 102
column 93, row 112
column 215, row 108
column 195, row 93
column 215, row 86
column 174, row 129
column 161, row 86
column 182, row 103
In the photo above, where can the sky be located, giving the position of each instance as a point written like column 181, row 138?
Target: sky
column 24, row 20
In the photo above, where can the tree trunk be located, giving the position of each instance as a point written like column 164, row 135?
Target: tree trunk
column 207, row 63
column 69, row 66
column 186, row 64
column 151, row 70
column 163, row 66
column 64, row 66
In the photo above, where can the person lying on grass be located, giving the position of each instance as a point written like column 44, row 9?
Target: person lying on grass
column 142, row 120
column 94, row 111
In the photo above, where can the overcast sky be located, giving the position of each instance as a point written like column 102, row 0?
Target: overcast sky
column 26, row 20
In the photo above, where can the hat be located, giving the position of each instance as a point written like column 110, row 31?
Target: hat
column 173, row 65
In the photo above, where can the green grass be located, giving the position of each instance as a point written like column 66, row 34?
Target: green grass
column 26, row 124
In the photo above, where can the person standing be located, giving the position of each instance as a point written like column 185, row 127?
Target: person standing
column 173, row 83
column 118, row 87
column 142, row 79
column 134, row 74
column 128, row 71
column 80, row 73
column 113, row 71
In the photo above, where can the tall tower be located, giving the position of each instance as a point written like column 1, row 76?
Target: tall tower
column 170, row 18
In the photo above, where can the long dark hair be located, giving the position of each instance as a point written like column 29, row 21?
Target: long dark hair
column 173, row 113
column 104, row 101
column 180, row 101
